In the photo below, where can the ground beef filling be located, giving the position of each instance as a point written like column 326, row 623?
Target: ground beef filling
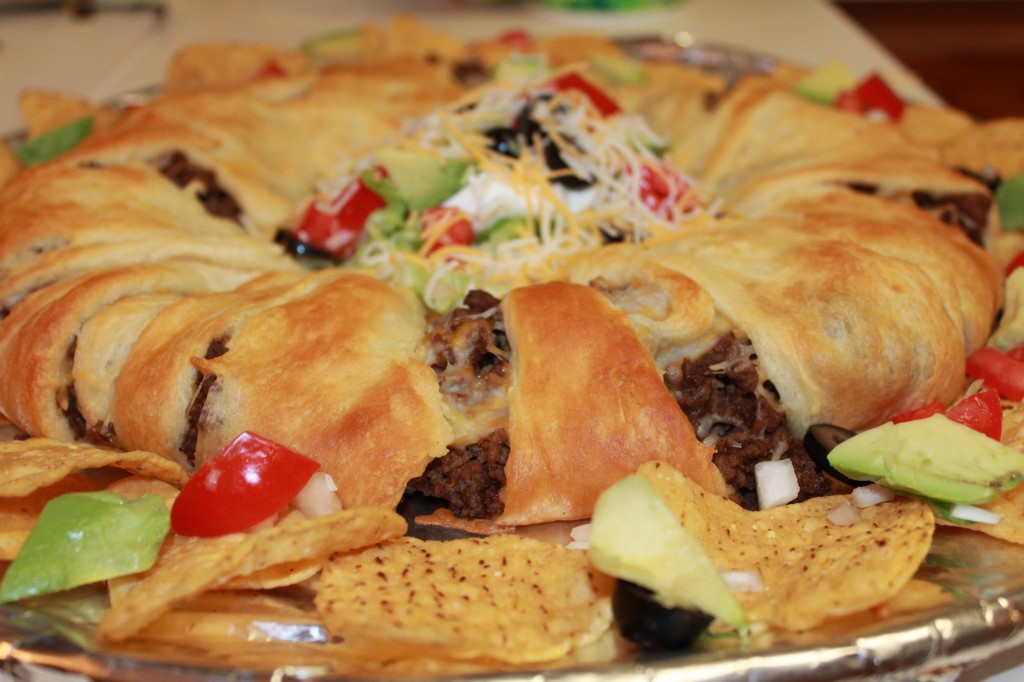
column 180, row 170
column 201, row 391
column 468, row 350
column 730, row 407
column 968, row 212
column 470, row 479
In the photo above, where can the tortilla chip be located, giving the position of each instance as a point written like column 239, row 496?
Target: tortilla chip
column 133, row 487
column 1009, row 505
column 811, row 568
column 223, row 65
column 281, row 575
column 44, row 111
column 37, row 462
column 446, row 518
column 189, row 566
column 19, row 514
column 933, row 126
column 503, row 597
column 997, row 144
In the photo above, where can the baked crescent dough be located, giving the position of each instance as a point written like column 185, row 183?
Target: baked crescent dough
column 889, row 304
column 587, row 406
column 326, row 364
column 146, row 306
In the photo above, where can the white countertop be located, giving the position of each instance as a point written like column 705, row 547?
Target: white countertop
column 112, row 53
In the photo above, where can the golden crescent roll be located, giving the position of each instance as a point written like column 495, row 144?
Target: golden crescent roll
column 587, row 406
column 326, row 364
column 889, row 303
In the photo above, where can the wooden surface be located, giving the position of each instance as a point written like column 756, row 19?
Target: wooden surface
column 970, row 52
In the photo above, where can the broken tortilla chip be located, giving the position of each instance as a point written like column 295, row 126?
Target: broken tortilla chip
column 134, row 487
column 281, row 575
column 189, row 566
column 1010, row 506
column 811, row 568
column 19, row 514
column 37, row 462
column 504, row 597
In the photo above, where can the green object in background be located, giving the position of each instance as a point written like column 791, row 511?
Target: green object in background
column 610, row 5
column 54, row 143
column 825, row 83
column 1010, row 201
column 82, row 538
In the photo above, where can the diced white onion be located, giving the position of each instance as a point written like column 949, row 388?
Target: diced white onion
column 870, row 495
column 580, row 537
column 844, row 514
column 743, row 581
column 318, row 497
column 776, row 483
column 967, row 512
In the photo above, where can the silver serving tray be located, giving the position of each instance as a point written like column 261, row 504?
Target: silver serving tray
column 55, row 638
column 985, row 576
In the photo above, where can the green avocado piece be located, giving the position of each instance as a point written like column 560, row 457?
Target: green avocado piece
column 334, row 47
column 504, row 229
column 521, row 67
column 422, row 179
column 1009, row 198
column 825, row 83
column 634, row 536
column 618, row 69
column 936, row 458
column 82, row 538
column 54, row 143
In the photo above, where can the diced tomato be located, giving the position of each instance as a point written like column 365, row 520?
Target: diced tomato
column 872, row 93
column 459, row 230
column 517, row 39
column 246, row 483
column 875, row 93
column 1015, row 262
column 664, row 191
column 604, row 104
column 998, row 371
column 849, row 101
column 272, row 69
column 337, row 228
column 981, row 411
column 1016, row 353
column 922, row 412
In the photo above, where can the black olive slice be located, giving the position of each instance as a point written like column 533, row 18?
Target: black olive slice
column 651, row 626
column 819, row 441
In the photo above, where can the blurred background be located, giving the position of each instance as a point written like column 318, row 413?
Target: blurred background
column 970, row 52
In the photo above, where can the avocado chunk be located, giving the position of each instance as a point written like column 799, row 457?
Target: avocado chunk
column 825, row 83
column 423, row 180
column 635, row 537
column 521, row 67
column 82, row 538
column 1009, row 198
column 935, row 458
column 504, row 229
column 50, row 145
column 334, row 47
column 618, row 69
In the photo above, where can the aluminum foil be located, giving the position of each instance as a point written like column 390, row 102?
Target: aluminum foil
column 985, row 577
column 53, row 641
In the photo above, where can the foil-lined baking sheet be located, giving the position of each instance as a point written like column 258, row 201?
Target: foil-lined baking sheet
column 53, row 640
column 984, row 576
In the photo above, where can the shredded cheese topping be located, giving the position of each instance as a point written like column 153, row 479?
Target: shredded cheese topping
column 613, row 157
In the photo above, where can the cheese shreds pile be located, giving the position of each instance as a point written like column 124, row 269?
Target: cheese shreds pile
column 602, row 194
